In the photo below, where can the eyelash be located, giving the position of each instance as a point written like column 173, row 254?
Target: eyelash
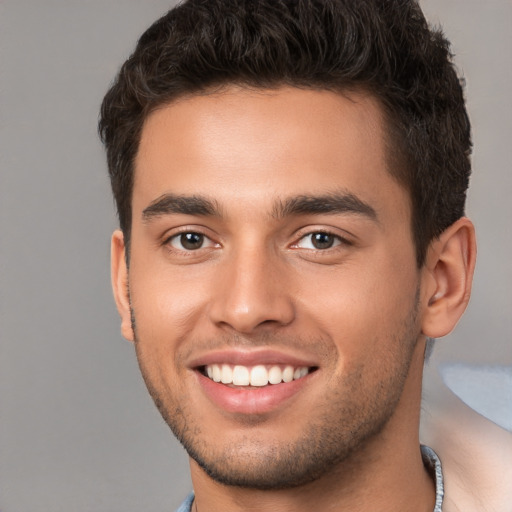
column 336, row 242
column 176, row 236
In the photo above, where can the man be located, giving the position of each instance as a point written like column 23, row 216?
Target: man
column 290, row 177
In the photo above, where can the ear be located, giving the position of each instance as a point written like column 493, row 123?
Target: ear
column 119, row 275
column 447, row 278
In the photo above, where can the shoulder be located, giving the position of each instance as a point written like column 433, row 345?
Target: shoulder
column 475, row 453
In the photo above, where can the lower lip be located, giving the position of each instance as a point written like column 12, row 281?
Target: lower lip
column 251, row 400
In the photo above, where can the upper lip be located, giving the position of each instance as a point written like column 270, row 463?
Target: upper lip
column 251, row 358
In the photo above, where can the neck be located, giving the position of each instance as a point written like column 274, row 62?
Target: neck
column 387, row 474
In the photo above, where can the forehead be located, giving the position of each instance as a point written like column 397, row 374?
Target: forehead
column 238, row 142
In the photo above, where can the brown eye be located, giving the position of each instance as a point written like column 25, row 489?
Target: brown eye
column 319, row 240
column 189, row 241
column 322, row 240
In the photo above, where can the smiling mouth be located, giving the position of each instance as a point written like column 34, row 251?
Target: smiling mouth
column 254, row 376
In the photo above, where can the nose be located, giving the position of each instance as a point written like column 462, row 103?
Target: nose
column 252, row 292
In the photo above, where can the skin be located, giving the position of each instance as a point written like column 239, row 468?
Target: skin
column 357, row 312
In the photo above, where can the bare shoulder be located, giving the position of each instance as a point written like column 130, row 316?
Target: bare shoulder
column 476, row 454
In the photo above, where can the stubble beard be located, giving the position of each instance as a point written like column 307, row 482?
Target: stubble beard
column 352, row 416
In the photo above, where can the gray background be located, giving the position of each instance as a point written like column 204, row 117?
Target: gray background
column 77, row 429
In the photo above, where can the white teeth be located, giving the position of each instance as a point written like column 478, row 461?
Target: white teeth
column 226, row 374
column 257, row 376
column 216, row 373
column 240, row 376
column 275, row 375
column 288, row 374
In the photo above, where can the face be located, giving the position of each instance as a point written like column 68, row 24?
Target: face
column 272, row 280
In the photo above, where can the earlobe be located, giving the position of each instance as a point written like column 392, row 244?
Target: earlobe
column 119, row 275
column 447, row 278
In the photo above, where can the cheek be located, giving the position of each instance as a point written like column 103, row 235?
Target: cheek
column 358, row 295
column 168, row 307
column 363, row 307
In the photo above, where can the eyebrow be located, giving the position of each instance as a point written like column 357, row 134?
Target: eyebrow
column 179, row 204
column 333, row 203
